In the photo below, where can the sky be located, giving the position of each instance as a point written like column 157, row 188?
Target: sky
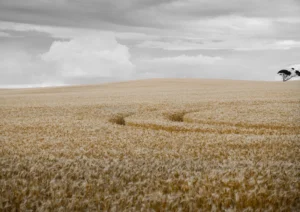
column 65, row 42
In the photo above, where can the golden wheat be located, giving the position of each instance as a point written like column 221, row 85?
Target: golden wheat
column 151, row 145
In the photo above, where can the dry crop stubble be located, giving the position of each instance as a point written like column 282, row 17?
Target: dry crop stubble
column 147, row 145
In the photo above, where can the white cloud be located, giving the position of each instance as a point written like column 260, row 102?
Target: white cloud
column 229, row 27
column 92, row 58
column 288, row 20
column 134, row 36
column 88, row 53
column 178, row 66
column 4, row 34
column 287, row 44
column 56, row 32
column 274, row 45
column 21, row 69
column 237, row 44
column 233, row 33
column 175, row 44
column 96, row 55
column 186, row 60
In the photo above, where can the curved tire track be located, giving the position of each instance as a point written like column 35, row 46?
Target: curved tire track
column 183, row 121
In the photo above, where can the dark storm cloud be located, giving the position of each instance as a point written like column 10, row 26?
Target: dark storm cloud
column 253, row 8
column 137, row 13
column 89, row 13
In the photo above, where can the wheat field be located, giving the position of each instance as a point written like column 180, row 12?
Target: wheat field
column 151, row 145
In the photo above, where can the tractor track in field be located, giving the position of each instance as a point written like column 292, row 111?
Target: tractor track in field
column 177, row 122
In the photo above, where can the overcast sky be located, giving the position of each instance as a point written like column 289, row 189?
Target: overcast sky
column 59, row 42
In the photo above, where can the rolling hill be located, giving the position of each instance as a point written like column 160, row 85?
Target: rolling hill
column 159, row 144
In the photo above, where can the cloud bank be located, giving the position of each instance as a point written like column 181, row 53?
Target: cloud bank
column 58, row 42
column 90, row 56
column 185, row 60
column 94, row 57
